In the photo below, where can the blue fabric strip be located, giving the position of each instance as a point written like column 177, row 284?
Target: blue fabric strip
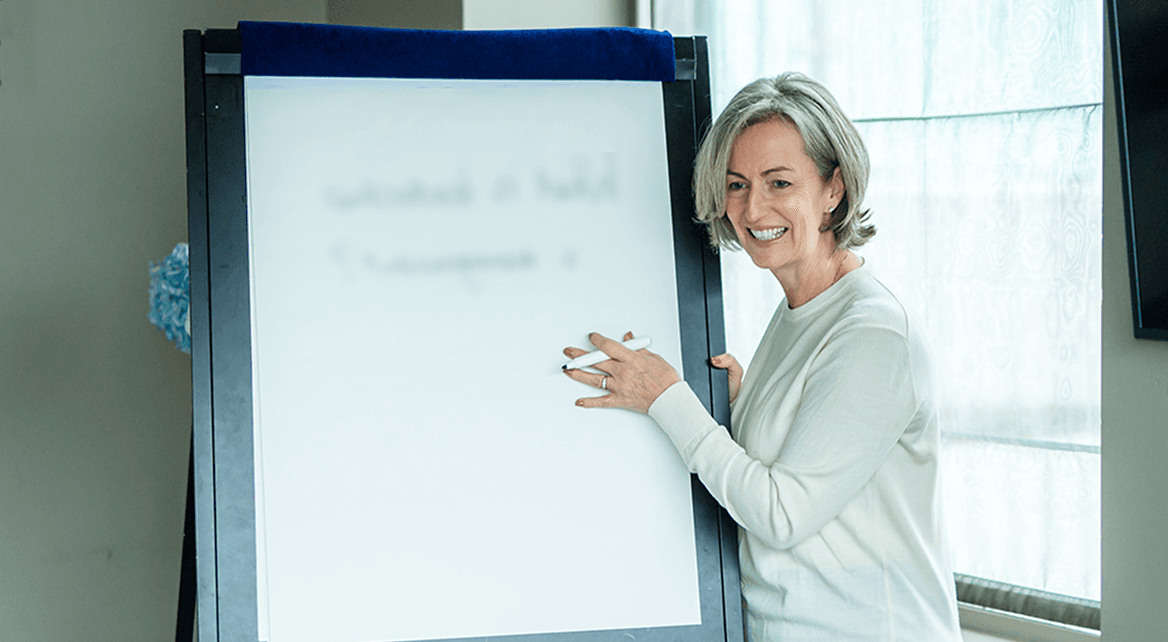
column 293, row 49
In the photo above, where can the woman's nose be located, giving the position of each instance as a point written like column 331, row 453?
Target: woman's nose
column 754, row 206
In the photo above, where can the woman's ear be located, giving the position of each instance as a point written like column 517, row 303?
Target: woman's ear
column 837, row 187
column 835, row 196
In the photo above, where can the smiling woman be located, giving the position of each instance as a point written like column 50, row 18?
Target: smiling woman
column 780, row 210
column 831, row 466
column 983, row 121
column 827, row 138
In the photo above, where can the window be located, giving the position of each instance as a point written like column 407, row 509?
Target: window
column 983, row 122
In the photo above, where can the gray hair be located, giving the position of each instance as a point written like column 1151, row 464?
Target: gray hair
column 829, row 138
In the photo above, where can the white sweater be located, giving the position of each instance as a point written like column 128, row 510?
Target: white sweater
column 831, row 474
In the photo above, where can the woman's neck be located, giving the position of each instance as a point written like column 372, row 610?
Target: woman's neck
column 802, row 287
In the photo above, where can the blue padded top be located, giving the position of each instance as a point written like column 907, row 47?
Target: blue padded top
column 295, row 49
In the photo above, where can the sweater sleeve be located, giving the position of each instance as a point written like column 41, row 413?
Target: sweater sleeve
column 857, row 400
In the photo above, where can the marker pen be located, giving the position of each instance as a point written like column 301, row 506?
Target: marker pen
column 596, row 356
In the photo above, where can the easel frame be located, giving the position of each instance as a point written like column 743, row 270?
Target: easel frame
column 219, row 541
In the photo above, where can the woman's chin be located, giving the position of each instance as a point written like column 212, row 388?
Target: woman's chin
column 764, row 260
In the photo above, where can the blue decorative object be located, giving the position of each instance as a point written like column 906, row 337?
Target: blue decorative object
column 170, row 295
column 614, row 53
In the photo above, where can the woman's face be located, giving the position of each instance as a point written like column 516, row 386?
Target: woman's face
column 776, row 201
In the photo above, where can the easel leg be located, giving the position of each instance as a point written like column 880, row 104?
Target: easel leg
column 186, row 586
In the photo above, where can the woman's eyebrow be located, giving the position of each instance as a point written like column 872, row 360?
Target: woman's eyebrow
column 780, row 168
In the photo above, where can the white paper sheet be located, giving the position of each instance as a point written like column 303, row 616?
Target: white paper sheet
column 421, row 252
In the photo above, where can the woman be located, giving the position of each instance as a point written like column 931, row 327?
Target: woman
column 830, row 469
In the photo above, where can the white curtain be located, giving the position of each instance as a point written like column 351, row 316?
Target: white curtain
column 983, row 122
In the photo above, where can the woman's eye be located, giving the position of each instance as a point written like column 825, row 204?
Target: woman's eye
column 735, row 186
column 780, row 183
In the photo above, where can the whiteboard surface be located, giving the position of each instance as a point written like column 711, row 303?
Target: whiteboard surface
column 421, row 252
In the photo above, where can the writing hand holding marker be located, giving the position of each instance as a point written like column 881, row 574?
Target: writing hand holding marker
column 632, row 378
column 596, row 356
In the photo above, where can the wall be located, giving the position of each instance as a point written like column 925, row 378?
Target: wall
column 541, row 14
column 1135, row 433
column 432, row 14
column 94, row 402
column 483, row 14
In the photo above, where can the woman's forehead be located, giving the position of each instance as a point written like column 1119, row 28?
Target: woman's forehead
column 774, row 142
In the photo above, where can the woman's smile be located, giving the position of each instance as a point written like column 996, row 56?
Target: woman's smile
column 768, row 235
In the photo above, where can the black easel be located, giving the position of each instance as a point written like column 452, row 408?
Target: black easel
column 185, row 630
column 218, row 578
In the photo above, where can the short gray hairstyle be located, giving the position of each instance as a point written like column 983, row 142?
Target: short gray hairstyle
column 829, row 138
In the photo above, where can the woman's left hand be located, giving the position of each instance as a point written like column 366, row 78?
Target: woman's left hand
column 633, row 379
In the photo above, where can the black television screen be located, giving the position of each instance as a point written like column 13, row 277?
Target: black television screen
column 1139, row 53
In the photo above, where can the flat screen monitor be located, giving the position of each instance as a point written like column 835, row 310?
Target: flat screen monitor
column 1139, row 53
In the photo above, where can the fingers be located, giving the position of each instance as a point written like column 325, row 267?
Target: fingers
column 598, row 381
column 603, row 343
column 603, row 401
column 726, row 361
column 589, row 378
column 733, row 370
column 612, row 349
column 572, row 353
column 608, row 346
column 639, row 377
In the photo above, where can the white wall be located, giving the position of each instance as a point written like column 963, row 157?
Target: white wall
column 94, row 403
column 1135, row 435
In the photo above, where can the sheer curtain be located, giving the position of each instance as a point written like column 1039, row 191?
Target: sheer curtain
column 983, row 122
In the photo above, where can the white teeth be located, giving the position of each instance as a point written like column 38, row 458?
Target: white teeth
column 768, row 235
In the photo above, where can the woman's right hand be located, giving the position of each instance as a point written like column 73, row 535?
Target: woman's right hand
column 727, row 362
